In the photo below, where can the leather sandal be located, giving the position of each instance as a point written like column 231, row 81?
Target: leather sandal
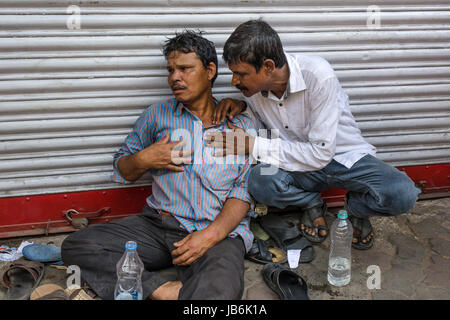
column 307, row 218
column 365, row 228
column 287, row 236
column 261, row 253
column 21, row 277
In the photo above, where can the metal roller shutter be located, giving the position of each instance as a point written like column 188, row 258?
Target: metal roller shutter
column 69, row 96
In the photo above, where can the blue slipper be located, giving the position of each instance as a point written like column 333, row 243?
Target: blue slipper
column 43, row 253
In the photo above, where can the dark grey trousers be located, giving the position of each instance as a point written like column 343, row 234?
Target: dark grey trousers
column 218, row 274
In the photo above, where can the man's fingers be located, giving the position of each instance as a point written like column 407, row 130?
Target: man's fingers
column 185, row 153
column 189, row 261
column 165, row 139
column 232, row 126
column 216, row 137
column 186, row 259
column 216, row 144
column 220, row 154
column 181, row 156
column 172, row 167
column 182, row 241
column 221, row 113
column 181, row 160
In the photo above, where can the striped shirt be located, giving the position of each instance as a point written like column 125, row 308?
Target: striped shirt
column 196, row 195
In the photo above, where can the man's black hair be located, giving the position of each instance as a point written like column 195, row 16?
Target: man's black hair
column 192, row 41
column 253, row 42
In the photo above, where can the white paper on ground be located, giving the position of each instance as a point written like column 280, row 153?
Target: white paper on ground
column 293, row 256
column 14, row 253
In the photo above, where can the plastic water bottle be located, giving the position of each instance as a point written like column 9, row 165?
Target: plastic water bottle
column 129, row 272
column 340, row 260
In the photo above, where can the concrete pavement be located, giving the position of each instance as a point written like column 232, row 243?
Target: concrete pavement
column 411, row 254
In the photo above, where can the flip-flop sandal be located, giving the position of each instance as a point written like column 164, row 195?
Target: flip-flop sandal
column 261, row 253
column 21, row 277
column 307, row 219
column 285, row 282
column 365, row 228
column 287, row 236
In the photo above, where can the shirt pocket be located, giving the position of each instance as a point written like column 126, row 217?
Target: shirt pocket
column 220, row 177
column 299, row 117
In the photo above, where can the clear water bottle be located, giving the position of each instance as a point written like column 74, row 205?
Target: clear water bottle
column 340, row 260
column 129, row 272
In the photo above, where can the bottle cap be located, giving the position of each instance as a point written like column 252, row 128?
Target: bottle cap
column 131, row 245
column 342, row 214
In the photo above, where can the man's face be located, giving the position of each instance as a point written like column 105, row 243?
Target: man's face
column 246, row 79
column 188, row 78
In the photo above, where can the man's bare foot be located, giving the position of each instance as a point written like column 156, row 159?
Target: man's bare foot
column 168, row 291
column 357, row 232
column 312, row 231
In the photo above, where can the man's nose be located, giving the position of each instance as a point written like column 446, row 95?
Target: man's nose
column 175, row 76
column 234, row 80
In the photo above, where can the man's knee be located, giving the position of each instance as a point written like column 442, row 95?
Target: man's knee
column 221, row 280
column 264, row 182
column 78, row 244
column 401, row 196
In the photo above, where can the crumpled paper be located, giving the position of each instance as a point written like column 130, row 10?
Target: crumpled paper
column 12, row 254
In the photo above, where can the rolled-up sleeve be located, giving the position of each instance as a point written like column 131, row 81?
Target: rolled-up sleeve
column 139, row 138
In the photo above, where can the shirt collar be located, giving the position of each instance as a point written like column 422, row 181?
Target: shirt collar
column 296, row 82
column 180, row 106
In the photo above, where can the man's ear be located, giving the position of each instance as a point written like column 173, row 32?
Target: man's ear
column 212, row 70
column 268, row 66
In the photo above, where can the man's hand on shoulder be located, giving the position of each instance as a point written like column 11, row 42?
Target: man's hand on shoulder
column 237, row 141
column 228, row 106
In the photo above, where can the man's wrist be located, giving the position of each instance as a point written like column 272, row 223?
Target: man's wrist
column 140, row 161
column 213, row 234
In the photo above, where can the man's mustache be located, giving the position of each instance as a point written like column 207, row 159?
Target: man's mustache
column 241, row 87
column 177, row 86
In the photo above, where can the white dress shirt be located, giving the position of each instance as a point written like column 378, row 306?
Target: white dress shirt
column 313, row 120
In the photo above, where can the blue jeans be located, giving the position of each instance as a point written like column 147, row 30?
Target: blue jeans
column 375, row 188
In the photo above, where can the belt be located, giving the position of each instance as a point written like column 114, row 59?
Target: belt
column 165, row 213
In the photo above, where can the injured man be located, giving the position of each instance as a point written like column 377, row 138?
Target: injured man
column 197, row 218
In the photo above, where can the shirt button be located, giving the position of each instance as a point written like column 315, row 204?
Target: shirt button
column 286, row 127
column 280, row 104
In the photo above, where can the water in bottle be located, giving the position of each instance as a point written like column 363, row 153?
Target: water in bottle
column 129, row 272
column 339, row 263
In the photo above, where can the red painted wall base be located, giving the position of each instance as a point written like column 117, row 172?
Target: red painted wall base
column 46, row 214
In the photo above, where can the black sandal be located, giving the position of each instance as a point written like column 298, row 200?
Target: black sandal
column 261, row 253
column 365, row 228
column 285, row 282
column 307, row 218
column 287, row 236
